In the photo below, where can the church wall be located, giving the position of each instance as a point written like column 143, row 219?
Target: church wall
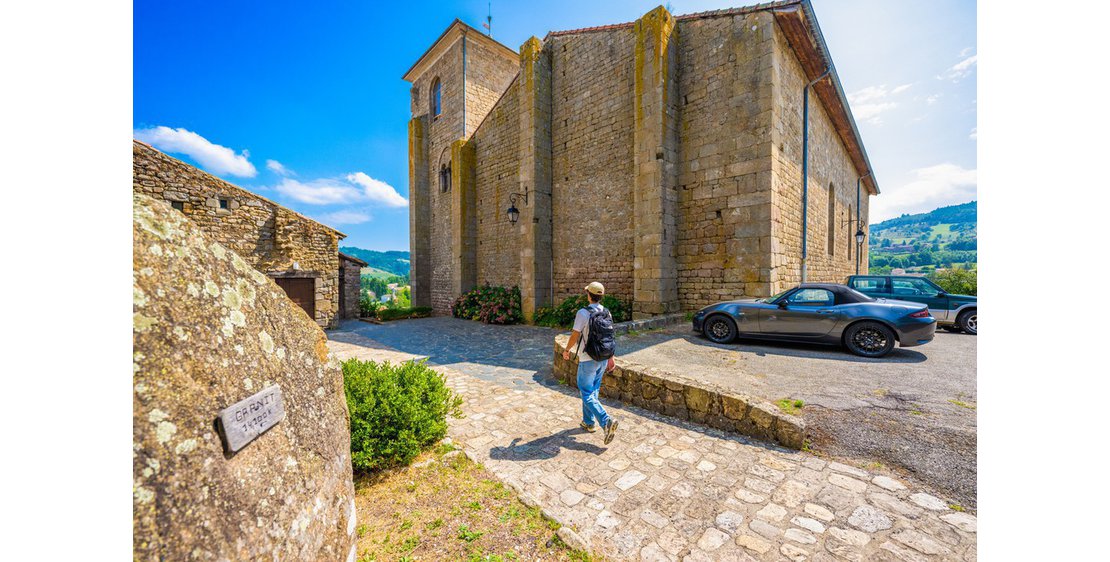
column 496, row 141
column 439, row 133
column 724, row 159
column 488, row 73
column 592, row 161
column 829, row 164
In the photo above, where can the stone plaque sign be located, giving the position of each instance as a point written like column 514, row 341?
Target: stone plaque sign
column 246, row 419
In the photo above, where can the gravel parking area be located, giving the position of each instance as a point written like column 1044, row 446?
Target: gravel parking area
column 912, row 411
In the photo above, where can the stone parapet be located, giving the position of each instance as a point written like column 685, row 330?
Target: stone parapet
column 679, row 397
column 653, row 323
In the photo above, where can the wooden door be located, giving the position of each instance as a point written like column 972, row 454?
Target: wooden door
column 302, row 291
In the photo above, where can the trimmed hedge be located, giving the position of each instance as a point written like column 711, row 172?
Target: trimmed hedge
column 562, row 315
column 387, row 314
column 489, row 304
column 396, row 411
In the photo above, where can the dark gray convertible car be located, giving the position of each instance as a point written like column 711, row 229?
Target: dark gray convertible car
column 821, row 313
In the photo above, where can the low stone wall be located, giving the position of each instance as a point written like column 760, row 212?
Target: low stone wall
column 653, row 323
column 683, row 398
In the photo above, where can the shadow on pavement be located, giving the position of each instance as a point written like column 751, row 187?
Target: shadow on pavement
column 763, row 348
column 544, row 447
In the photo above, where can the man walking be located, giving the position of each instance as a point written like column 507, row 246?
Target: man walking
column 594, row 326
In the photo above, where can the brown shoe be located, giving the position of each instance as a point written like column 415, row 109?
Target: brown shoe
column 587, row 428
column 610, row 431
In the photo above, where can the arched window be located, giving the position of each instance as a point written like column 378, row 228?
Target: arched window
column 832, row 218
column 445, row 178
column 436, row 92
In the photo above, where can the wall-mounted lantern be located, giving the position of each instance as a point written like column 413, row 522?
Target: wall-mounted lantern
column 513, row 212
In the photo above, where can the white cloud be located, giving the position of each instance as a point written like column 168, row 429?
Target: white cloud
column 212, row 157
column 345, row 217
column 932, row 99
column 378, row 191
column 974, row 134
column 932, row 187
column 965, row 52
column 279, row 168
column 870, row 102
column 324, row 191
column 960, row 70
column 353, row 188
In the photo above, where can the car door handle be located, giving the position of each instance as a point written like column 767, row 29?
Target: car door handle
column 824, row 312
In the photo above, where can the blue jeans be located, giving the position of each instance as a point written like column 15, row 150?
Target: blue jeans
column 589, row 383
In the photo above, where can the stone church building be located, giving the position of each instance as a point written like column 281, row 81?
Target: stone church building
column 301, row 255
column 662, row 157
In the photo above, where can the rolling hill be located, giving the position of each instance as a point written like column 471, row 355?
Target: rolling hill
column 942, row 238
column 395, row 262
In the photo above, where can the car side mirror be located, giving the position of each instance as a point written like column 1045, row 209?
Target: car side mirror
column 782, row 304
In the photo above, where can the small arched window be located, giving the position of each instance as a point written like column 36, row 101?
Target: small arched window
column 445, row 178
column 436, row 92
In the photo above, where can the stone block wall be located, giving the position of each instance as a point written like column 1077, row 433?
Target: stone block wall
column 488, row 74
column 273, row 239
column 679, row 397
column 724, row 233
column 592, row 161
column 350, row 281
column 830, row 169
column 497, row 144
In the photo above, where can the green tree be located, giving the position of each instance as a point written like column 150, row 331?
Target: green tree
column 957, row 281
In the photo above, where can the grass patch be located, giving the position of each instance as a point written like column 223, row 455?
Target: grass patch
column 790, row 406
column 962, row 404
column 449, row 509
column 956, row 507
column 875, row 465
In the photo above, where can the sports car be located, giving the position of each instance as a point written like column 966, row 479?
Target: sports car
column 821, row 313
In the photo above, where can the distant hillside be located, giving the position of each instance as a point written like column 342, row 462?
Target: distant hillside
column 393, row 261
column 942, row 238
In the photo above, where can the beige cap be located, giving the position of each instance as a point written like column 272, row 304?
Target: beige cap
column 596, row 288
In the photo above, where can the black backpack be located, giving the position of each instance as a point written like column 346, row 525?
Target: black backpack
column 600, row 343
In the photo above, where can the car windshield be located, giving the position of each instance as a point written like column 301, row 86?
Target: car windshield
column 773, row 298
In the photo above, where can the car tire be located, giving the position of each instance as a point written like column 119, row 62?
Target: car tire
column 869, row 339
column 719, row 329
column 968, row 321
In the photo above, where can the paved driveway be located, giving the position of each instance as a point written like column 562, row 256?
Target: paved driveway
column 914, row 409
column 506, row 355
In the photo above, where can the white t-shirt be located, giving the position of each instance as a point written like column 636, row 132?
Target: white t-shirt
column 582, row 325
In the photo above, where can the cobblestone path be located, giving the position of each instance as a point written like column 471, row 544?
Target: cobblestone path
column 664, row 489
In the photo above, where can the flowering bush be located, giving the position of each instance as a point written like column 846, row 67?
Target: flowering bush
column 492, row 305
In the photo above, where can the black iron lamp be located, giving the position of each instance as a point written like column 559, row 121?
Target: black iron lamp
column 513, row 212
column 859, row 237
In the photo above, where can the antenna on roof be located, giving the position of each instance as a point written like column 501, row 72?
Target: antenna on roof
column 489, row 19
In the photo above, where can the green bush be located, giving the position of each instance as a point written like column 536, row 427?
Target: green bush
column 396, row 411
column 957, row 281
column 562, row 315
column 387, row 314
column 492, row 305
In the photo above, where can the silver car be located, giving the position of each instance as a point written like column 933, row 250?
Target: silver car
column 821, row 313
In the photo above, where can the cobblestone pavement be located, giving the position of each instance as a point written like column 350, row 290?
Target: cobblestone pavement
column 913, row 410
column 665, row 489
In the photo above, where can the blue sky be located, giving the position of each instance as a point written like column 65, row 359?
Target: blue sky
column 304, row 103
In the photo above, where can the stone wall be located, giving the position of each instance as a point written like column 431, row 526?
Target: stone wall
column 830, row 168
column 350, row 280
column 679, row 397
column 724, row 233
column 496, row 141
column 489, row 70
column 273, row 239
column 592, row 160
column 210, row 331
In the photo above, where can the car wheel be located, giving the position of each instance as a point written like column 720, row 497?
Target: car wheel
column 720, row 329
column 869, row 339
column 968, row 321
